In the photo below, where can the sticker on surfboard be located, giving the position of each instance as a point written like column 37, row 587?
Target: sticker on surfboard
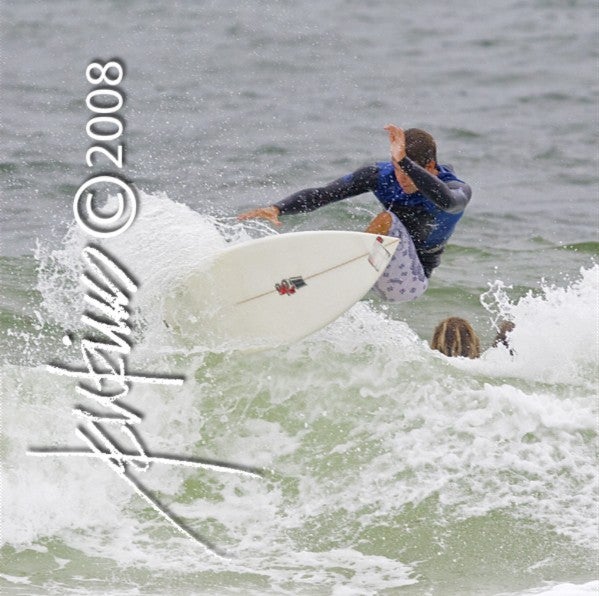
column 379, row 256
column 288, row 287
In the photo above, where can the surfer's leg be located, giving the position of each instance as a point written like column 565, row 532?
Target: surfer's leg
column 381, row 224
column 404, row 278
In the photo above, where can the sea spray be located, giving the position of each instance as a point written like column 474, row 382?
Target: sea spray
column 555, row 337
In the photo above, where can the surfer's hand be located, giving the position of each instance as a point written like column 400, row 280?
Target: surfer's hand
column 270, row 213
column 397, row 139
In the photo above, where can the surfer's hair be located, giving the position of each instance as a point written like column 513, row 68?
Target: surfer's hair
column 420, row 146
column 456, row 337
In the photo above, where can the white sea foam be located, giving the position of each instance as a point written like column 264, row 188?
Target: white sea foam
column 559, row 589
column 359, row 421
column 556, row 333
column 154, row 256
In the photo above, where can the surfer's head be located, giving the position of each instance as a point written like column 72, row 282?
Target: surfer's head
column 456, row 337
column 421, row 147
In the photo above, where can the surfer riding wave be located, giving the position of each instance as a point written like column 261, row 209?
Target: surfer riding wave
column 423, row 202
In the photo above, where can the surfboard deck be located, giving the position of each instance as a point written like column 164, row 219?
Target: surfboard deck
column 277, row 289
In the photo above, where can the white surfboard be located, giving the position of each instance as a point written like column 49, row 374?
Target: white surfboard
column 277, row 289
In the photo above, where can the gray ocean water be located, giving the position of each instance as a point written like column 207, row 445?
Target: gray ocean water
column 387, row 468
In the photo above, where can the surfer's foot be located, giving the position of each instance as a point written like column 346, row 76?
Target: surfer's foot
column 381, row 224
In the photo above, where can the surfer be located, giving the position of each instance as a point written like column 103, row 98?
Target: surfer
column 423, row 202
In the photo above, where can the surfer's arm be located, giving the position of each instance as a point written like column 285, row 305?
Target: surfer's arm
column 361, row 181
column 452, row 196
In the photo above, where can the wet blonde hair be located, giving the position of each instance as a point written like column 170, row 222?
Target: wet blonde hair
column 456, row 337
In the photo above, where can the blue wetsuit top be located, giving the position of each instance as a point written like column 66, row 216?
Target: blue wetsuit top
column 429, row 215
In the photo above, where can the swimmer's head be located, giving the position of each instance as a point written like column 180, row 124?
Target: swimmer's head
column 456, row 337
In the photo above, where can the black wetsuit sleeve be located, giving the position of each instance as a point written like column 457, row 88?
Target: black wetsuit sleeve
column 452, row 196
column 360, row 181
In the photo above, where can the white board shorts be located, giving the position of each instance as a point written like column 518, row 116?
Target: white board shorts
column 404, row 278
